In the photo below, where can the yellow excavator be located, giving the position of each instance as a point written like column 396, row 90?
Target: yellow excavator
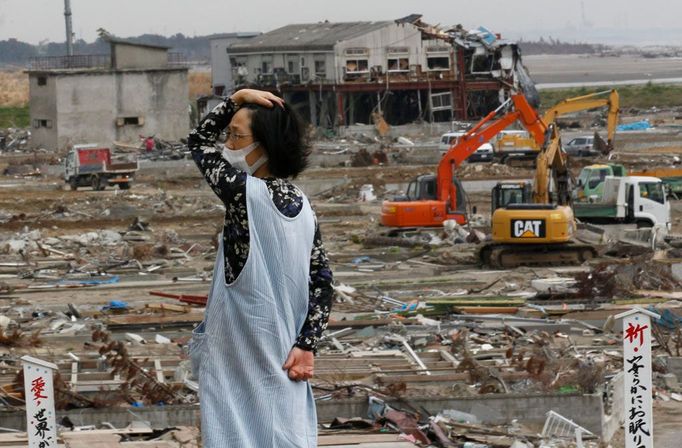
column 515, row 145
column 609, row 98
column 535, row 225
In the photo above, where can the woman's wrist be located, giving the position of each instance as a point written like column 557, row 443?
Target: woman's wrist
column 236, row 98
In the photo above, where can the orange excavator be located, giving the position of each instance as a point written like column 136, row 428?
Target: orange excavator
column 430, row 199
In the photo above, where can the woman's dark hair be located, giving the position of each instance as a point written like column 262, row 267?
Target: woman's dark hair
column 282, row 134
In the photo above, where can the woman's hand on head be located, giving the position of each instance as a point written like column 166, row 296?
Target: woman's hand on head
column 300, row 364
column 260, row 97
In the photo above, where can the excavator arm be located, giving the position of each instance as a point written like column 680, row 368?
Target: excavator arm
column 486, row 129
column 587, row 102
column 550, row 164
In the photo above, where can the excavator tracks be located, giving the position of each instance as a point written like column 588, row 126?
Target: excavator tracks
column 507, row 256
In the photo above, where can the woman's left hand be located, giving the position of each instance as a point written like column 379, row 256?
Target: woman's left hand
column 260, row 97
column 300, row 364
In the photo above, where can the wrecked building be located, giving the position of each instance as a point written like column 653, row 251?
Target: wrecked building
column 337, row 74
column 137, row 89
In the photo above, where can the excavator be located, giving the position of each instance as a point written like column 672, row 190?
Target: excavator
column 535, row 225
column 515, row 145
column 595, row 100
column 430, row 199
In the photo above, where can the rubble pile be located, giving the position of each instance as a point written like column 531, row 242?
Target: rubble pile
column 14, row 140
column 425, row 347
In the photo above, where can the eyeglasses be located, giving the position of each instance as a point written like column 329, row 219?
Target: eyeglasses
column 234, row 136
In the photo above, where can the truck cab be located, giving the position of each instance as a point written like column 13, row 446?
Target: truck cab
column 647, row 202
column 637, row 200
column 590, row 186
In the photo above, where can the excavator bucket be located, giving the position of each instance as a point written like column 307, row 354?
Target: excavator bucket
column 601, row 145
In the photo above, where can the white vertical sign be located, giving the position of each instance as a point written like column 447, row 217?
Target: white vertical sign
column 639, row 422
column 41, row 425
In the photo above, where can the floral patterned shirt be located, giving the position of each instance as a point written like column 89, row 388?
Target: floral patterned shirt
column 229, row 184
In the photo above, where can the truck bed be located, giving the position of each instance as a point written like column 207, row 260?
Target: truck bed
column 121, row 166
column 595, row 210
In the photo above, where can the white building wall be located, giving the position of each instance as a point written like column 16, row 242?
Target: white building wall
column 377, row 42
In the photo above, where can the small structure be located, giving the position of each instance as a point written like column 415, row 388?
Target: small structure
column 340, row 73
column 221, row 70
column 137, row 89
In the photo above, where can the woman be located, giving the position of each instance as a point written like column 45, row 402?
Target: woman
column 271, row 293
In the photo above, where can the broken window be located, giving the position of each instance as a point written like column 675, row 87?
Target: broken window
column 41, row 123
column 320, row 68
column 266, row 64
column 129, row 121
column 653, row 191
column 357, row 66
column 399, row 64
column 438, row 62
column 482, row 63
column 218, row 90
column 441, row 101
column 42, row 80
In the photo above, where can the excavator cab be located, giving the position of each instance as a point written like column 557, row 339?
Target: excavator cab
column 421, row 207
column 506, row 193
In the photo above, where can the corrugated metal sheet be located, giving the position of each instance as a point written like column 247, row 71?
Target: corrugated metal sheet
column 308, row 36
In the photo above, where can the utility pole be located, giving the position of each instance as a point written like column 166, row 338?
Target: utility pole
column 69, row 32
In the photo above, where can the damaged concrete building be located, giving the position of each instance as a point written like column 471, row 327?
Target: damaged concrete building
column 135, row 90
column 338, row 74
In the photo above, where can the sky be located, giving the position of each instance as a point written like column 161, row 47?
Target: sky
column 596, row 21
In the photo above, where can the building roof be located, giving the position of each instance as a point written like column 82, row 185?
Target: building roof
column 239, row 35
column 307, row 36
column 118, row 41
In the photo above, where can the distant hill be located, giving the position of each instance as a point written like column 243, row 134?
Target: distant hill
column 14, row 52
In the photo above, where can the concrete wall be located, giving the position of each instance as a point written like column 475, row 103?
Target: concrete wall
column 614, row 420
column 89, row 105
column 133, row 56
column 42, row 106
column 221, row 69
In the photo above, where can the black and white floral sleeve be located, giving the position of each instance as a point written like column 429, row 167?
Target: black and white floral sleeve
column 227, row 182
column 321, row 295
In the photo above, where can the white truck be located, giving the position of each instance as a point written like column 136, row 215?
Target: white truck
column 630, row 199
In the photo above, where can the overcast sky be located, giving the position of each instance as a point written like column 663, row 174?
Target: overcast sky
column 603, row 21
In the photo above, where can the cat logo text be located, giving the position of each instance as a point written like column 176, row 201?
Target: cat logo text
column 528, row 228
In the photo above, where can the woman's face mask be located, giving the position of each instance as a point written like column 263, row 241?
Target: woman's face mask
column 237, row 158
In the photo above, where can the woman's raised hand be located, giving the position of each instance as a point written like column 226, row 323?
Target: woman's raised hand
column 253, row 96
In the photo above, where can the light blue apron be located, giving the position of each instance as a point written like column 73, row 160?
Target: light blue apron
column 250, row 325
